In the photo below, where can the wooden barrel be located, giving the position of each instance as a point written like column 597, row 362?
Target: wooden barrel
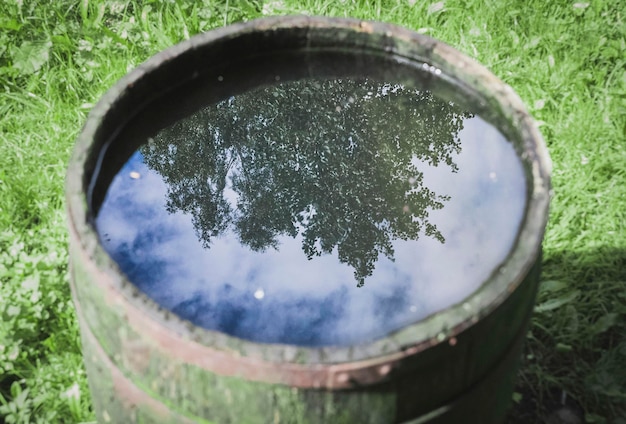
column 145, row 364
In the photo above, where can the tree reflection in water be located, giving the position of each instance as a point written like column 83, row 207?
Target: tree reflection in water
column 334, row 160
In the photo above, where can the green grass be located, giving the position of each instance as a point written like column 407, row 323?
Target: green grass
column 567, row 61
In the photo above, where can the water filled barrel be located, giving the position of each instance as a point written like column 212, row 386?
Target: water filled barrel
column 306, row 220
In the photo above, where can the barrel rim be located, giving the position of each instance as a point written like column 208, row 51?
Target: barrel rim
column 437, row 328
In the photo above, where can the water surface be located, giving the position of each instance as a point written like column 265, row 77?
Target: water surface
column 322, row 211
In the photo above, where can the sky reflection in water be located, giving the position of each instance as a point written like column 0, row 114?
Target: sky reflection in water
column 279, row 295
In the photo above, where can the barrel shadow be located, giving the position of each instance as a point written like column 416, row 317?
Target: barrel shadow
column 574, row 354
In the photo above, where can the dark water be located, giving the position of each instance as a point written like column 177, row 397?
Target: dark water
column 322, row 211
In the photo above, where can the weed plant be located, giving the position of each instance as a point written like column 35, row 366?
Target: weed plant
column 566, row 59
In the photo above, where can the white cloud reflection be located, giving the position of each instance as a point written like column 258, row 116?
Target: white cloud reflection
column 283, row 296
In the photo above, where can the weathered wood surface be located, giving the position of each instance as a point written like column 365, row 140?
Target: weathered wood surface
column 145, row 365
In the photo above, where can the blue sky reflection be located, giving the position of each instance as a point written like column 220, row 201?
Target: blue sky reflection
column 279, row 296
